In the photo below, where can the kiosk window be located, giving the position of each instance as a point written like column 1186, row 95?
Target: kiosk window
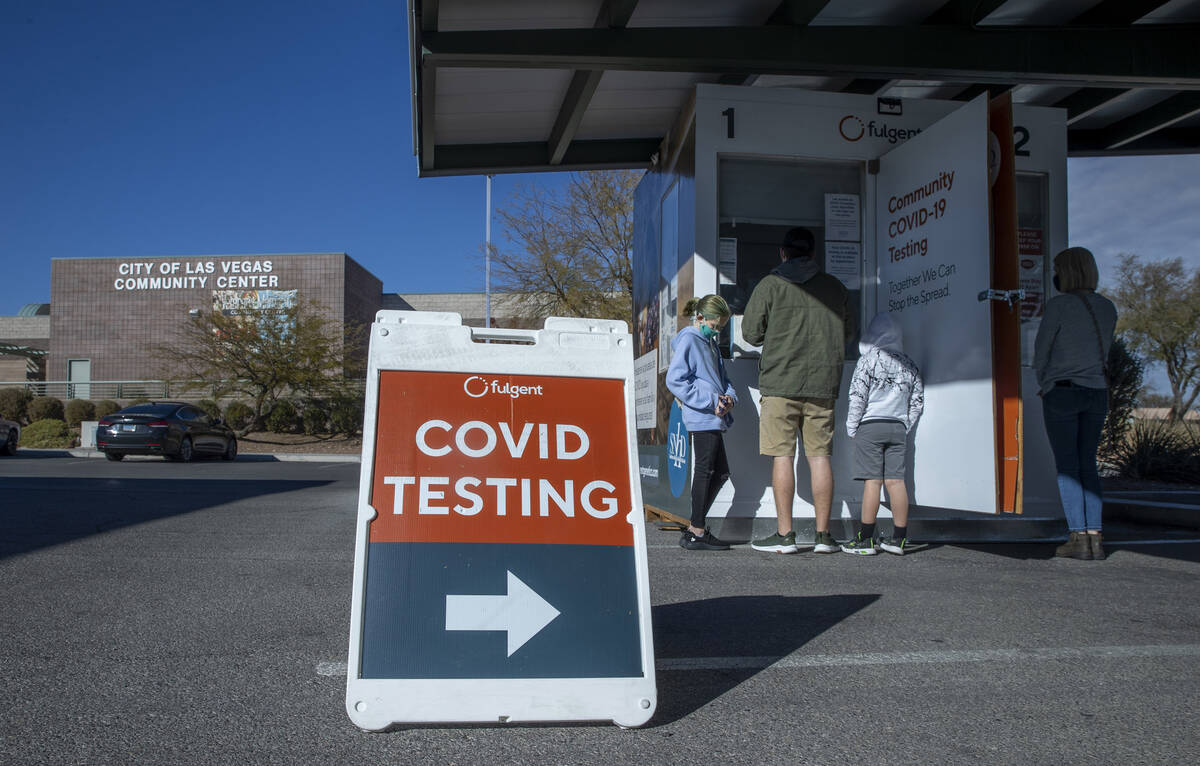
column 760, row 199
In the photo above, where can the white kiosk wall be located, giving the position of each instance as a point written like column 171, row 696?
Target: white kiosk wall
column 817, row 143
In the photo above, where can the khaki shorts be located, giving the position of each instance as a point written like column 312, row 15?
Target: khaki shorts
column 782, row 417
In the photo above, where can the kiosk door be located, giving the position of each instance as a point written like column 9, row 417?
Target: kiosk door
column 933, row 260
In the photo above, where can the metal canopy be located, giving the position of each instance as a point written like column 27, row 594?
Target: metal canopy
column 531, row 85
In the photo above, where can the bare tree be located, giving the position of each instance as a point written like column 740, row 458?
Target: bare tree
column 265, row 355
column 571, row 250
column 1159, row 307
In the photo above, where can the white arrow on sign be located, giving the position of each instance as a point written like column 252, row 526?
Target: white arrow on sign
column 522, row 613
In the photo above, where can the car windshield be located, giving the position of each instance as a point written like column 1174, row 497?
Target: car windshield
column 158, row 410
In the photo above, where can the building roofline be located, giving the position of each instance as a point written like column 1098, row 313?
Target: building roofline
column 196, row 255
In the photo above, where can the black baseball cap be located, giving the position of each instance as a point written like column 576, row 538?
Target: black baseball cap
column 799, row 240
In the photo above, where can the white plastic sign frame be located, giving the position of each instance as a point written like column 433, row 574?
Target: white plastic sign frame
column 411, row 672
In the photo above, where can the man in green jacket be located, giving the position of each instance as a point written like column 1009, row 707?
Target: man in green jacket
column 799, row 315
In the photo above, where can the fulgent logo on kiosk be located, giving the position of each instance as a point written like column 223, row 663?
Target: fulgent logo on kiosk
column 852, row 128
column 476, row 386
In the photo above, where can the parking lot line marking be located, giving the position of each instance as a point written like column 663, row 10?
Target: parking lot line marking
column 798, row 659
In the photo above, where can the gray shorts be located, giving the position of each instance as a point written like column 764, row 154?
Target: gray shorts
column 879, row 450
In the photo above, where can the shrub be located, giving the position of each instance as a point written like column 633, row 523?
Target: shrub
column 211, row 408
column 282, row 418
column 1158, row 451
column 315, row 418
column 14, row 403
column 106, row 407
column 239, row 415
column 46, row 434
column 78, row 410
column 45, row 408
column 346, row 415
column 1124, row 382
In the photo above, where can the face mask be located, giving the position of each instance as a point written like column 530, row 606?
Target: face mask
column 708, row 332
column 1055, row 283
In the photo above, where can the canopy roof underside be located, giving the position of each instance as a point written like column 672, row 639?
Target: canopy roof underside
column 530, row 85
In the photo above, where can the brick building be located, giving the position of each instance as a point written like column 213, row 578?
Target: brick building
column 24, row 341
column 107, row 315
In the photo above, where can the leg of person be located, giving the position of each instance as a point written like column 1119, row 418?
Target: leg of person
column 1060, row 411
column 868, row 468
column 777, row 440
column 898, row 499
column 720, row 473
column 1091, row 423
column 783, row 485
column 863, row 543
column 817, row 433
column 709, row 461
column 894, row 464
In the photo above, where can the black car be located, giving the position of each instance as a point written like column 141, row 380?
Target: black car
column 175, row 430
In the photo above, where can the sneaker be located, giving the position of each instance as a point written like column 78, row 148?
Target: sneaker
column 859, row 546
column 776, row 543
column 892, row 545
column 705, row 542
column 825, row 543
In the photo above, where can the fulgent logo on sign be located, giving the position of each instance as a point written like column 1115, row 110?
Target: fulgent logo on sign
column 475, row 387
column 852, row 129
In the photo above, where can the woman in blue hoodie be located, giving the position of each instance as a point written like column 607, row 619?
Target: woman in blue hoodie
column 697, row 379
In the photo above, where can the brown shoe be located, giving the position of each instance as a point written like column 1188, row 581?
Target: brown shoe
column 1077, row 546
column 1096, row 546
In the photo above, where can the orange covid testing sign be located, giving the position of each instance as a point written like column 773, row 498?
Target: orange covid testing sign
column 500, row 458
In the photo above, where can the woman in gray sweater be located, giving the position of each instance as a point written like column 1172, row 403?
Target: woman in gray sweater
column 1070, row 358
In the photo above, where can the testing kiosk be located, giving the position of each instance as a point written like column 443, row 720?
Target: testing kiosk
column 500, row 561
column 944, row 213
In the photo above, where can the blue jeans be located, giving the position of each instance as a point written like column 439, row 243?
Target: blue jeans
column 1074, row 417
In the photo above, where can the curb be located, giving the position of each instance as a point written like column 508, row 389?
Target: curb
column 1153, row 512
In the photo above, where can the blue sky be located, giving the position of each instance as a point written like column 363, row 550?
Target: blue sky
column 137, row 128
column 185, row 128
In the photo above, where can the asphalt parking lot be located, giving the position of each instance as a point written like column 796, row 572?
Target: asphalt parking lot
column 198, row 613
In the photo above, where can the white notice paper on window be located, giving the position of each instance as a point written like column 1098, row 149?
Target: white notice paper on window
column 842, row 217
column 841, row 261
column 727, row 260
column 645, row 390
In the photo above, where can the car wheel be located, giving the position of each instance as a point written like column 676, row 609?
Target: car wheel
column 185, row 450
column 230, row 450
column 114, row 456
column 10, row 446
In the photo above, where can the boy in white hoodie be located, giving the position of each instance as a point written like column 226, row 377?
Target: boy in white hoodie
column 886, row 399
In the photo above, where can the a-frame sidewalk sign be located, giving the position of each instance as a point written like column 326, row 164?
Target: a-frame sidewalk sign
column 500, row 559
